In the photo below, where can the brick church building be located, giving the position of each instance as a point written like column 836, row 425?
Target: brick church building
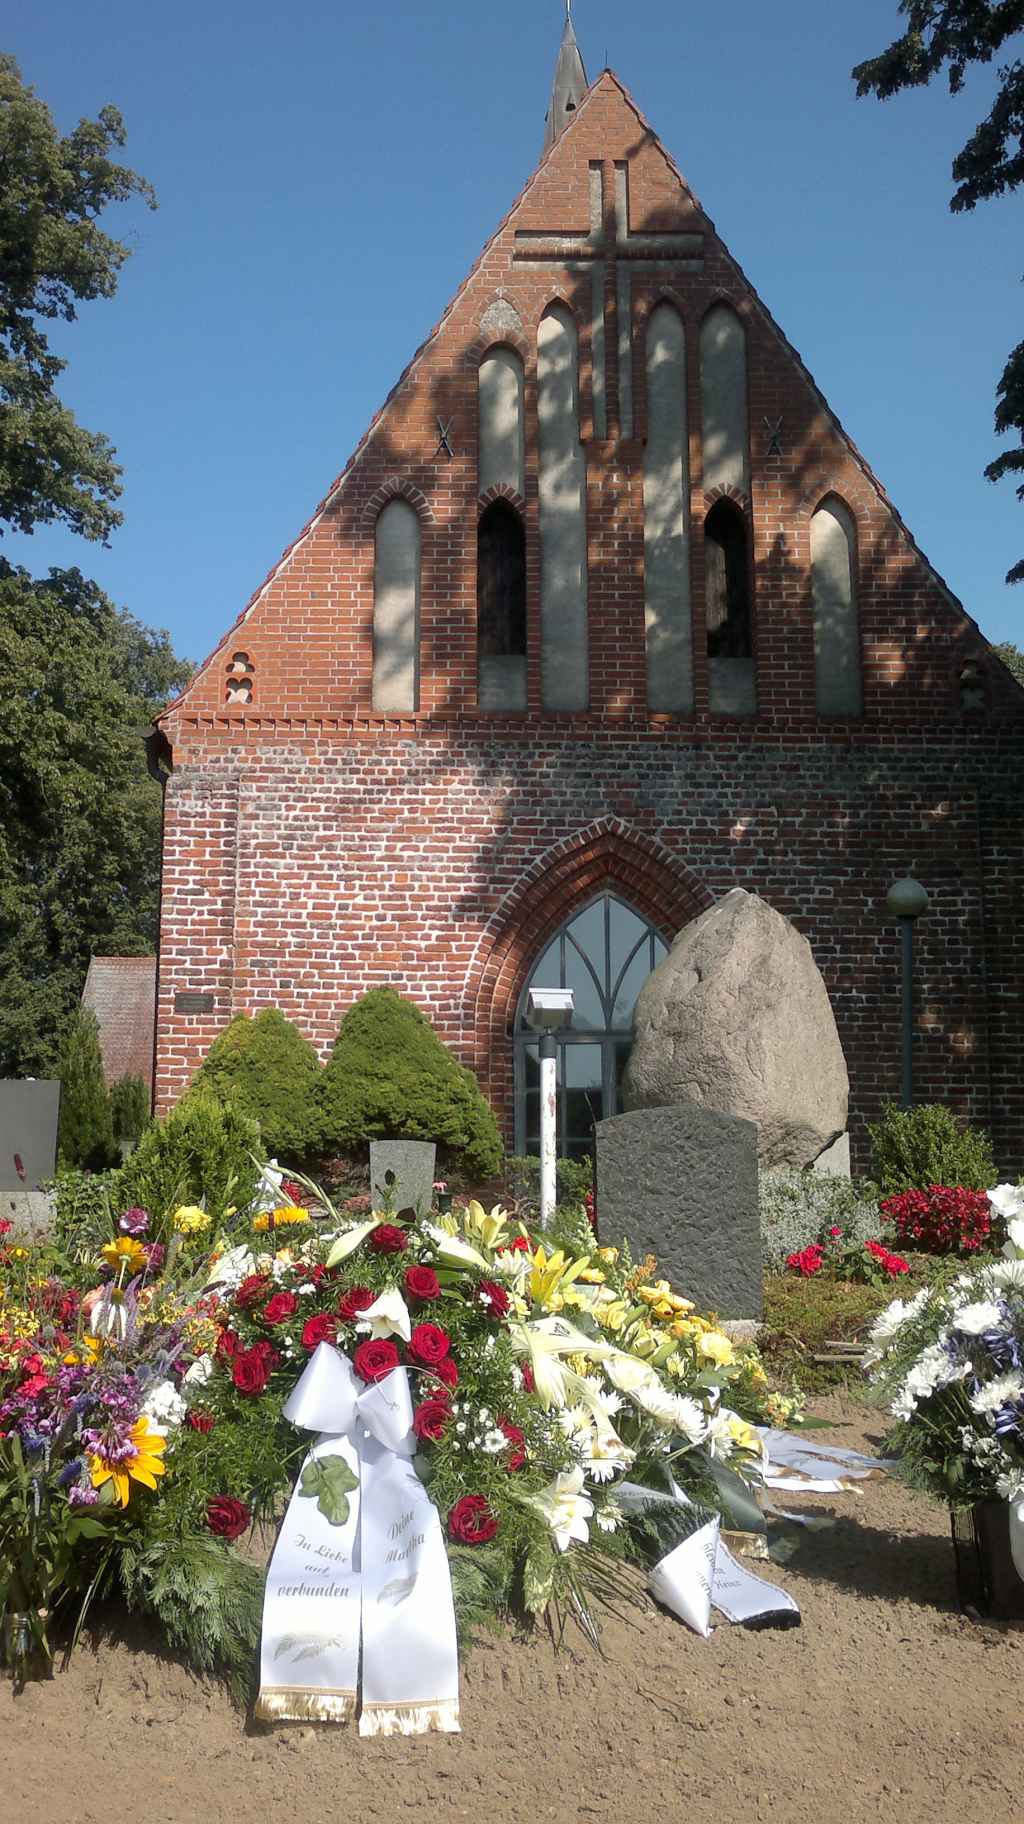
column 605, row 616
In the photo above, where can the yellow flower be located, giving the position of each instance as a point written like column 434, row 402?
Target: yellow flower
column 288, row 1214
column 692, row 1327
column 675, row 1366
column 190, row 1219
column 487, row 1229
column 717, row 1348
column 125, row 1252
column 144, row 1466
column 608, row 1255
column 743, row 1435
column 550, row 1274
column 611, row 1316
column 653, row 1295
column 643, row 1340
column 593, row 1276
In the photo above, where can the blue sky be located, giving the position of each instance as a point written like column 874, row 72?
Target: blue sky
column 327, row 174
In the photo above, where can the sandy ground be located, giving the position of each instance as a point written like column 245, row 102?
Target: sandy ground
column 886, row 1703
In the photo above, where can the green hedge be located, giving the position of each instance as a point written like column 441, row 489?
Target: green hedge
column 266, row 1067
column 916, row 1147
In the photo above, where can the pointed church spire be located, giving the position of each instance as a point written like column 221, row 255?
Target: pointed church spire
column 570, row 84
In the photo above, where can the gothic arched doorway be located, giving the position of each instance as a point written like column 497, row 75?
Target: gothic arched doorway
column 604, row 953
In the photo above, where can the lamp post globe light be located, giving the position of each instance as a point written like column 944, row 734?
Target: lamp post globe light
column 548, row 1010
column 905, row 901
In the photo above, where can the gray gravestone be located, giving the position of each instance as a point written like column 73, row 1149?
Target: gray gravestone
column 402, row 1174
column 681, row 1183
column 28, row 1151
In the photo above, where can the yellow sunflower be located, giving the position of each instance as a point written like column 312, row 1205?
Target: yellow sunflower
column 124, row 1252
column 144, row 1466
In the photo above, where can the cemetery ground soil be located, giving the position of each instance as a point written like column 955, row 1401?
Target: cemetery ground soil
column 887, row 1703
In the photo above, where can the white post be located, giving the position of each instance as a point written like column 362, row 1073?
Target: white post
column 548, row 1127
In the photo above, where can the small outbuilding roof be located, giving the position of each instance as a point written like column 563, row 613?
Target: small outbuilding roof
column 121, row 992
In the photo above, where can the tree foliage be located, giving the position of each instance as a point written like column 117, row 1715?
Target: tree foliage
column 1012, row 658
column 79, row 814
column 267, row 1067
column 952, row 35
column 53, row 256
column 85, row 1136
column 389, row 1077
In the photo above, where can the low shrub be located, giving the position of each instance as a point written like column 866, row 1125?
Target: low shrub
column 574, row 1179
column 272, row 1073
column 800, row 1208
column 84, row 1206
column 944, row 1219
column 205, row 1152
column 390, row 1077
column 916, row 1147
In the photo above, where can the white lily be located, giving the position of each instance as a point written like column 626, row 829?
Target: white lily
column 350, row 1239
column 387, row 1316
column 1014, row 1248
column 232, row 1267
column 453, row 1250
column 566, row 1508
column 1008, row 1200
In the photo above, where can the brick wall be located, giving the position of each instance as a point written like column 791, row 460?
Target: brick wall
column 314, row 848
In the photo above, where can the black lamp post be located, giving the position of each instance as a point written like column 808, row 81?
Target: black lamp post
column 906, row 900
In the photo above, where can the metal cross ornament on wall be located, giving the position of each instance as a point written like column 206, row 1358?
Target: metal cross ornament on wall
column 611, row 252
column 774, row 429
column 444, row 439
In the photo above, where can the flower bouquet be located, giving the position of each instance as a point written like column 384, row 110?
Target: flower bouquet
column 950, row 1366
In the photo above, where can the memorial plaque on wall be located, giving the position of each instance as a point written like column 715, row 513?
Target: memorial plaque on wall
column 190, row 1001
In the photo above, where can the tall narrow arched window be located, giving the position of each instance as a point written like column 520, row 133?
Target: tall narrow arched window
column 501, row 608
column 396, row 609
column 723, row 392
column 604, row 954
column 837, row 669
column 501, row 461
column 562, row 489
column 666, row 492
column 728, row 617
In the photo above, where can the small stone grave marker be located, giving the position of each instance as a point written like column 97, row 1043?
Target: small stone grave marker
column 402, row 1174
column 681, row 1183
column 28, row 1150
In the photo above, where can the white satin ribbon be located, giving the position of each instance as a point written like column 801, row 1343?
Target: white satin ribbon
column 1017, row 1537
column 701, row 1574
column 364, row 1608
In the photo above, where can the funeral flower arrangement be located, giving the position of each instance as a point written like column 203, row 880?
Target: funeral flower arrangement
column 157, row 1406
column 949, row 1364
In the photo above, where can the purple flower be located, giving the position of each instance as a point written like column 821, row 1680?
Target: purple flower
column 83, row 1497
column 156, row 1254
column 70, row 1473
column 134, row 1221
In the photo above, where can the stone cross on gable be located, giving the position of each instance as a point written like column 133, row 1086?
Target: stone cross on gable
column 611, row 252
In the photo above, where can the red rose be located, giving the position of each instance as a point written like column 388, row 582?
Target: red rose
column 227, row 1345
column 387, row 1238
column 279, row 1308
column 519, row 1245
column 319, row 1273
column 201, row 1421
column 319, row 1330
column 373, row 1360
column 250, row 1372
column 515, row 1456
column 446, row 1371
column 431, row 1417
column 227, row 1517
column 471, row 1521
column 494, row 1298
column 422, row 1283
column 429, row 1344
column 528, row 1381
column 251, row 1291
column 265, row 1352
column 359, row 1298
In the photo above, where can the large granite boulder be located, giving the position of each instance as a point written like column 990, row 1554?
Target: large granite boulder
column 737, row 1018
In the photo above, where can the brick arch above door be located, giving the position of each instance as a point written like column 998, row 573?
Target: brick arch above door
column 605, row 856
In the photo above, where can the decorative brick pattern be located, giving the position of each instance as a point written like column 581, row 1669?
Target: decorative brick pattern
column 314, row 848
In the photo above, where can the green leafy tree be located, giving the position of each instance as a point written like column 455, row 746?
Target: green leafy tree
column 267, row 1067
column 79, row 814
column 53, row 257
column 1012, row 658
column 389, row 1077
column 86, row 1134
column 952, row 35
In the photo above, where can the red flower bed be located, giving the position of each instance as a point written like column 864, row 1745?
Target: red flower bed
column 944, row 1219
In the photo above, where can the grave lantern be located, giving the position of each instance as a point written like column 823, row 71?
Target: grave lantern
column 548, row 1010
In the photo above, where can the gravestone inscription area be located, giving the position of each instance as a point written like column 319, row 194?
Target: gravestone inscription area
column 29, row 1111
column 402, row 1174
column 681, row 1183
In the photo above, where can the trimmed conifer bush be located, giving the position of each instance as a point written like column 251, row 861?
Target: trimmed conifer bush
column 204, row 1152
column 129, row 1109
column 85, row 1136
column 390, row 1077
column 266, row 1067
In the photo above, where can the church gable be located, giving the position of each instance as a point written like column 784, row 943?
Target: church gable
column 605, row 486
